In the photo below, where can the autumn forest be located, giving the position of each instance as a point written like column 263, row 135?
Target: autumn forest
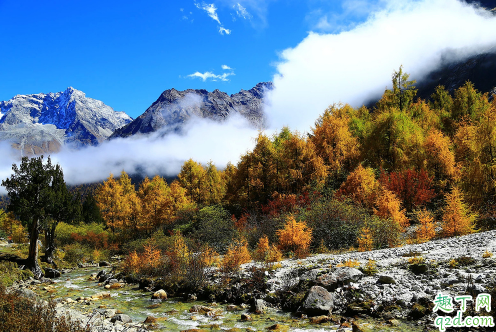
column 404, row 171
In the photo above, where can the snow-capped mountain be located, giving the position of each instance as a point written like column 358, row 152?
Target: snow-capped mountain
column 42, row 123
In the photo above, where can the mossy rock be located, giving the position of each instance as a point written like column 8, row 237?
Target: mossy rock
column 356, row 308
column 418, row 311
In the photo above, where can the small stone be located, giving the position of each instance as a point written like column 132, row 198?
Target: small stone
column 150, row 320
column 200, row 309
column 246, row 317
column 115, row 285
column 232, row 307
column 121, row 318
column 385, row 279
column 159, row 295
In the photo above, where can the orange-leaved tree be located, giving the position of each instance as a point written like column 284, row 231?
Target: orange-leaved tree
column 266, row 252
column 426, row 230
column 295, row 237
column 361, row 186
column 236, row 254
column 333, row 140
column 388, row 206
column 457, row 217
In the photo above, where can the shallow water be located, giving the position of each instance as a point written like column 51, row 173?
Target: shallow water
column 173, row 314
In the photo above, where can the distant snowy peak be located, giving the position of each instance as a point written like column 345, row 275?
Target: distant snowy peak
column 35, row 122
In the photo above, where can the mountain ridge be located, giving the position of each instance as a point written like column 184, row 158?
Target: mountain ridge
column 173, row 108
column 41, row 123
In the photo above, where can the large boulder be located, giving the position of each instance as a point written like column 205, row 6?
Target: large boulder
column 318, row 301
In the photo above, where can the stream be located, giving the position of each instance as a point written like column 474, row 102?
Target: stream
column 173, row 314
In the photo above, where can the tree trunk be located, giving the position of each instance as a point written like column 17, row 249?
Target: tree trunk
column 50, row 244
column 32, row 260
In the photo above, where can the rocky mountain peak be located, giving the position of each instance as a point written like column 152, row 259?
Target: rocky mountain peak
column 174, row 108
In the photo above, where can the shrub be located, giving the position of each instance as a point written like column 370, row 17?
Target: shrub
column 366, row 240
column 336, row 223
column 9, row 272
column 236, row 254
column 21, row 314
column 267, row 253
column 487, row 254
column 386, row 232
column 349, row 263
column 370, row 268
column 77, row 253
column 295, row 237
column 132, row 264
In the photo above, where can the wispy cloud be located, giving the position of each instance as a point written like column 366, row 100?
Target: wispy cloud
column 211, row 10
column 241, row 11
column 214, row 77
column 255, row 11
column 209, row 75
column 223, row 30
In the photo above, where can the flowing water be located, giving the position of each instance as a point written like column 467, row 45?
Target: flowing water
column 173, row 314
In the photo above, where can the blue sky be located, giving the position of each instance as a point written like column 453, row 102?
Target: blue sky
column 126, row 53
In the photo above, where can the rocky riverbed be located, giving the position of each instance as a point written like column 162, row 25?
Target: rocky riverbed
column 394, row 288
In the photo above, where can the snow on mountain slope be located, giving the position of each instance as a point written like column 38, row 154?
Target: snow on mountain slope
column 42, row 123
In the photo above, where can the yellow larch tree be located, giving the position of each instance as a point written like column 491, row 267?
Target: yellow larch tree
column 457, row 217
column 361, row 186
column 333, row 140
column 388, row 206
column 109, row 200
column 426, row 229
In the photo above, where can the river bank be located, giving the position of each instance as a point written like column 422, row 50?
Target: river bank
column 392, row 288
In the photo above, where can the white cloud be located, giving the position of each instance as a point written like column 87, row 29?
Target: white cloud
column 354, row 66
column 203, row 140
column 209, row 75
column 223, row 30
column 255, row 11
column 210, row 9
column 226, row 67
column 241, row 11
